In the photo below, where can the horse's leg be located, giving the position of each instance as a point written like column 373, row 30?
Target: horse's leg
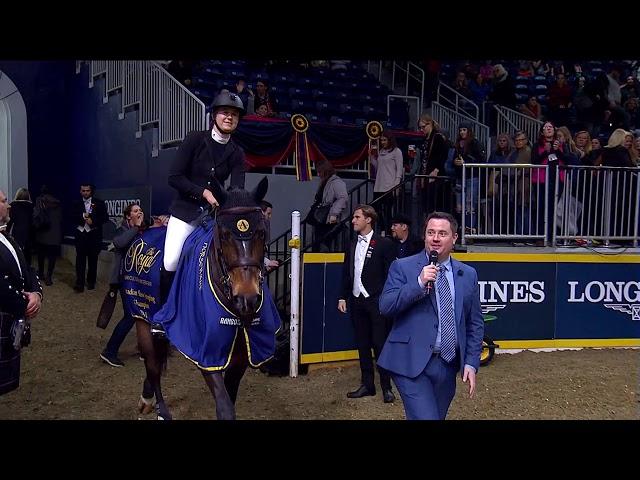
column 154, row 357
column 224, row 406
column 237, row 366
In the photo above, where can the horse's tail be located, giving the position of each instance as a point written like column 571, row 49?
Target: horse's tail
column 161, row 348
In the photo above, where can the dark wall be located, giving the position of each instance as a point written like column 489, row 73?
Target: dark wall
column 44, row 87
column 74, row 137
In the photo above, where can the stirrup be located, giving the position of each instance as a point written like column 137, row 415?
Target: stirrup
column 145, row 405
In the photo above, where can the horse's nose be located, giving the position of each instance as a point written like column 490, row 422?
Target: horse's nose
column 246, row 304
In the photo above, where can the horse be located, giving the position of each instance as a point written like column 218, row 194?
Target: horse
column 235, row 273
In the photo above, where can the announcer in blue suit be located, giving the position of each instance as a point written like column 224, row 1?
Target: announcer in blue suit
column 438, row 325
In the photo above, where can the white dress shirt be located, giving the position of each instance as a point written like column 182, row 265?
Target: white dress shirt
column 7, row 244
column 87, row 209
column 358, row 263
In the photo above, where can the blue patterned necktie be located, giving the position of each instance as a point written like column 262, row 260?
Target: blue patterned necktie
column 447, row 318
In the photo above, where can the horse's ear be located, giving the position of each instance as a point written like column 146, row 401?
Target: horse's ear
column 218, row 191
column 260, row 191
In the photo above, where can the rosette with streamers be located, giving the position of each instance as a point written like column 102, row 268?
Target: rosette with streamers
column 301, row 155
column 374, row 130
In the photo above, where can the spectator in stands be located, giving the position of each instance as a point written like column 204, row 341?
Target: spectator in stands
column 263, row 97
column 429, row 161
column 547, row 151
column 614, row 93
column 48, row 239
column 636, row 142
column 468, row 150
column 631, row 89
column 632, row 110
column 332, row 191
column 614, row 154
column 388, row 163
column 521, row 205
column 479, row 88
column 532, row 108
column 245, row 94
column 630, row 146
column 557, row 67
column 503, row 92
column 541, row 68
column 525, row 69
column 571, row 152
column 262, row 111
column 498, row 190
column 584, row 148
column 583, row 104
column 181, row 70
column 486, row 70
column 596, row 145
column 21, row 222
column 560, row 100
column 596, row 89
column 461, row 85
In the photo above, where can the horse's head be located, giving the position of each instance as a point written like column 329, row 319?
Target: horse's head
column 238, row 249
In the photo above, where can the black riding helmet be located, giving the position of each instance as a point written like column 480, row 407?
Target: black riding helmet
column 228, row 99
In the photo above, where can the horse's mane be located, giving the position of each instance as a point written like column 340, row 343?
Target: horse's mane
column 238, row 197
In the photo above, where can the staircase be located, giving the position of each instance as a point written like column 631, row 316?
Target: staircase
column 164, row 105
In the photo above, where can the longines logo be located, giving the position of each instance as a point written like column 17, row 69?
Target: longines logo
column 140, row 258
column 626, row 296
column 497, row 295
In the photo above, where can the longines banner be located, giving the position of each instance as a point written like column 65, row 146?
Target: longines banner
column 565, row 296
column 117, row 199
column 528, row 300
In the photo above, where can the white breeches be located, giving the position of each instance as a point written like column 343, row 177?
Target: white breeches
column 177, row 233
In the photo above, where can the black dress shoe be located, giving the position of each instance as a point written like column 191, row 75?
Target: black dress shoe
column 388, row 396
column 78, row 289
column 362, row 392
column 91, row 286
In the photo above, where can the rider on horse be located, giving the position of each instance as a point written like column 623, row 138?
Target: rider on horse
column 203, row 155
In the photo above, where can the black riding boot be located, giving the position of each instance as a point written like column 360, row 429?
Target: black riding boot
column 166, row 280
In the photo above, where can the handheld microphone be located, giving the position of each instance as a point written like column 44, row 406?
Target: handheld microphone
column 433, row 260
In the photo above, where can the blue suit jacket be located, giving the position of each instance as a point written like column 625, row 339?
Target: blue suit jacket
column 410, row 342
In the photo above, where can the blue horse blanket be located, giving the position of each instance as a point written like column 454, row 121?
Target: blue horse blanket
column 199, row 326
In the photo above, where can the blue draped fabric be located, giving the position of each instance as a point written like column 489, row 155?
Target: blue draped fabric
column 140, row 273
column 268, row 142
column 335, row 141
column 199, row 326
column 263, row 138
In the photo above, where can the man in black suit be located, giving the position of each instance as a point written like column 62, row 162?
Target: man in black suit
column 20, row 299
column 366, row 264
column 406, row 243
column 89, row 213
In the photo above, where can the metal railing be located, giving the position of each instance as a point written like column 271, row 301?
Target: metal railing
column 509, row 121
column 418, row 76
column 503, row 201
column 449, row 120
column 414, row 114
column 413, row 197
column 447, row 96
column 597, row 204
column 163, row 102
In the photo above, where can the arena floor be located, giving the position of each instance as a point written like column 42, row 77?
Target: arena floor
column 63, row 378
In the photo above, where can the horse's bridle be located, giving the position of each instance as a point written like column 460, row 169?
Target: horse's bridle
column 241, row 262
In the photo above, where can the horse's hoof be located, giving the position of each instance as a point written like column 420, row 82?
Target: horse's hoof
column 162, row 413
column 145, row 405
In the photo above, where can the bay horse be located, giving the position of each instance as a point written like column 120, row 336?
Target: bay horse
column 235, row 270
